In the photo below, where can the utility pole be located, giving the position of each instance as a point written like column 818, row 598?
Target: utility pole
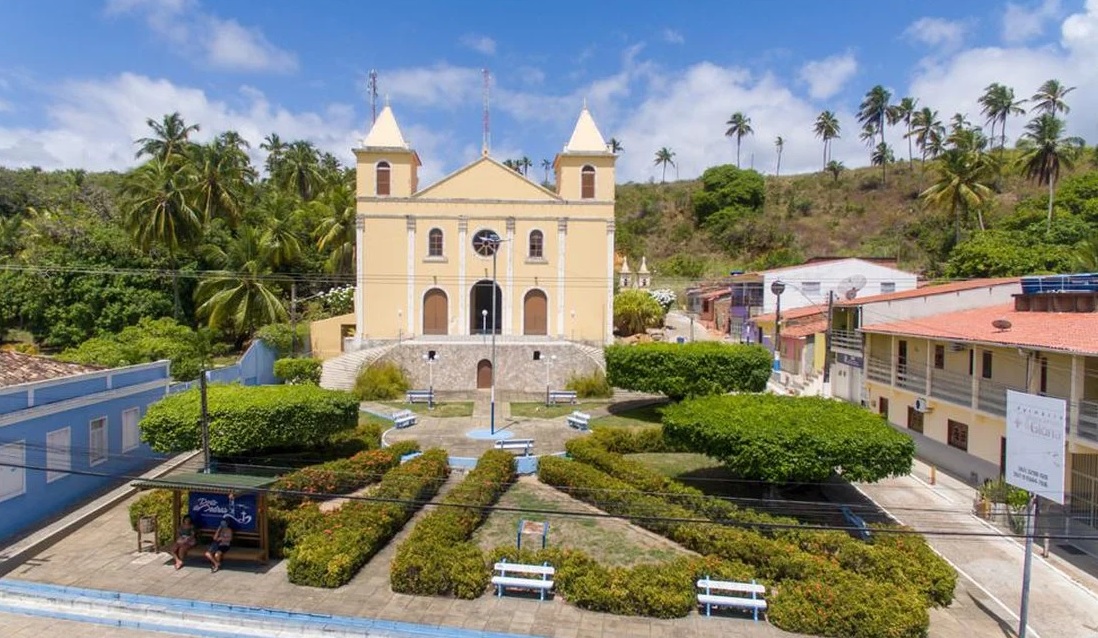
column 827, row 345
column 1027, row 568
column 205, row 418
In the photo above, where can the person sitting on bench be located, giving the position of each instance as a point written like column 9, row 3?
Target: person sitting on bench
column 185, row 539
column 222, row 538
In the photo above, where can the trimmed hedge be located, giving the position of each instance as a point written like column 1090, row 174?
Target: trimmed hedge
column 247, row 419
column 790, row 439
column 689, row 369
column 342, row 476
column 158, row 503
column 382, row 381
column 327, row 550
column 298, row 371
column 630, row 440
column 437, row 558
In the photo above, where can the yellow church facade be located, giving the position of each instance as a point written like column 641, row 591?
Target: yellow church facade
column 424, row 264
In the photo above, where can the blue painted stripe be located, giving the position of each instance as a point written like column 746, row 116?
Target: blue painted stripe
column 113, row 622
column 236, row 612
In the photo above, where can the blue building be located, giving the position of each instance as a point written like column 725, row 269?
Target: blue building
column 67, row 432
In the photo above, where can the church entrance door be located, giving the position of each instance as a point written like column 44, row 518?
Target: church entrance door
column 535, row 308
column 484, row 374
column 480, row 306
column 435, row 312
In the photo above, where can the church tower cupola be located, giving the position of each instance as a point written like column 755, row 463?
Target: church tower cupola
column 585, row 168
column 387, row 166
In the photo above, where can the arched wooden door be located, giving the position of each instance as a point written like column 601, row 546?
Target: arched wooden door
column 435, row 312
column 535, row 311
column 484, row 374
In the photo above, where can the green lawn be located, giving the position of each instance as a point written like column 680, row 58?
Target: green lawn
column 637, row 417
column 441, row 410
column 538, row 409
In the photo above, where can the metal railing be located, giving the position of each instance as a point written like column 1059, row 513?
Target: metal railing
column 911, row 378
column 878, row 370
column 1087, row 412
column 991, row 397
column 954, row 387
column 846, row 339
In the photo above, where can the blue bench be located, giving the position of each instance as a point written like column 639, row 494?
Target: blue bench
column 714, row 595
column 420, row 396
column 523, row 445
column 541, row 585
column 403, row 418
column 561, row 396
column 579, row 420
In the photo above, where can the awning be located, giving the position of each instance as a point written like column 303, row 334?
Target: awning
column 222, row 483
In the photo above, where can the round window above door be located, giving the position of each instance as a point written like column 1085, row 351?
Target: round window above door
column 486, row 242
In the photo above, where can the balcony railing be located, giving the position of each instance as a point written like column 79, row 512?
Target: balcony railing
column 991, row 397
column 878, row 370
column 911, row 378
column 1088, row 420
column 954, row 387
column 847, row 339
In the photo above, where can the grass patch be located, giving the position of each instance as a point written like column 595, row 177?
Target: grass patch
column 538, row 409
column 441, row 410
column 637, row 417
column 612, row 542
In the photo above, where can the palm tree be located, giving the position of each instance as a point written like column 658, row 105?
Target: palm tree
column 1050, row 98
column 999, row 104
column 882, row 156
column 1045, row 151
column 923, row 123
column 615, row 146
column 936, row 141
column 525, row 165
column 335, row 234
column 169, row 140
column 738, row 126
column 961, row 184
column 779, row 144
column 1086, row 254
column 874, row 109
column 223, row 173
column 827, row 128
column 279, row 212
column 276, row 150
column 547, row 165
column 239, row 297
column 299, row 170
column 665, row 156
column 904, row 112
column 835, row 168
column 868, row 136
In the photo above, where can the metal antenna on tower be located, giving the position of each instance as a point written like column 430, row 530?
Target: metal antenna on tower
column 373, row 95
column 487, row 130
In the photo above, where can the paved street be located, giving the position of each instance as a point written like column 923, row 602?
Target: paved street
column 679, row 324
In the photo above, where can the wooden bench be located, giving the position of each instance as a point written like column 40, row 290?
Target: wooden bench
column 512, row 445
column 579, row 420
column 236, row 551
column 541, row 585
column 420, row 396
column 560, row 396
column 710, row 599
column 403, row 418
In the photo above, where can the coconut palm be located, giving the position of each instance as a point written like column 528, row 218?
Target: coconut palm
column 961, row 185
column 835, row 168
column 904, row 111
column 278, row 234
column 1045, row 149
column 998, row 105
column 1050, row 98
column 299, row 170
column 525, row 164
column 827, row 128
column 665, row 156
column 170, row 139
column 276, row 150
column 223, row 173
column 335, row 234
column 547, row 166
column 739, row 126
column 779, row 143
column 882, row 156
column 868, row 136
column 874, row 109
column 615, row 146
column 923, row 123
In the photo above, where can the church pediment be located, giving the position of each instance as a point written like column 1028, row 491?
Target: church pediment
column 489, row 180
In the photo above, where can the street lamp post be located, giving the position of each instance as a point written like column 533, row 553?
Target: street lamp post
column 778, row 287
column 431, row 379
column 495, row 241
column 484, row 322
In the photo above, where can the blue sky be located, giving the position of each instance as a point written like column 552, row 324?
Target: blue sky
column 78, row 78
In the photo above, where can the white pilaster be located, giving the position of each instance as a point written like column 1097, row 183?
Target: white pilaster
column 360, row 280
column 509, row 281
column 462, row 291
column 608, row 337
column 410, row 304
column 1075, row 393
column 562, row 237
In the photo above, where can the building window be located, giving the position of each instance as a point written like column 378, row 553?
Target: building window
column 985, row 367
column 587, row 182
column 58, row 454
column 958, row 435
column 383, row 178
column 1044, row 375
column 13, row 472
column 939, row 357
column 888, row 286
column 131, row 434
column 537, row 245
column 914, row 420
column 97, row 441
column 810, row 287
column 434, row 243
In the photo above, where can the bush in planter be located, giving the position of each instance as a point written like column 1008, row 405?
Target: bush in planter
column 382, row 381
column 848, row 606
column 298, row 371
column 630, row 440
column 688, row 369
column 590, row 386
column 250, row 419
column 342, row 476
column 158, row 504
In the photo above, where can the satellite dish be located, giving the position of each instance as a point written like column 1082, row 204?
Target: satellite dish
column 850, row 286
column 1001, row 324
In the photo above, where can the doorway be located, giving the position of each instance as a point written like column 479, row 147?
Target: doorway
column 882, row 408
column 481, row 318
column 484, row 374
column 535, row 310
column 435, row 312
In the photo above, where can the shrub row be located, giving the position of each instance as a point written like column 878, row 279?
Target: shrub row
column 342, row 476
column 298, row 371
column 590, row 386
column 158, row 504
column 689, row 369
column 790, row 439
column 437, row 558
column 328, row 549
column 631, row 440
column 896, row 605
column 247, row 419
column 382, row 381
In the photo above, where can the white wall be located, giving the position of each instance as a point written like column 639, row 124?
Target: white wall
column 918, row 307
column 829, row 275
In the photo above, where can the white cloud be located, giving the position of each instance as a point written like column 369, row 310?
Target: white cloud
column 826, row 77
column 1023, row 22
column 439, row 86
column 937, row 32
column 223, row 44
column 479, row 43
column 671, row 36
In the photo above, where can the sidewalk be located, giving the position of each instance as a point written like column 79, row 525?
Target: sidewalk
column 1063, row 597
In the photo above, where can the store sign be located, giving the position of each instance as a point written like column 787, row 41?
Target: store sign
column 1036, row 429
column 208, row 508
column 848, row 359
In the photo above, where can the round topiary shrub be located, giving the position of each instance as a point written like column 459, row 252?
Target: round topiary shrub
column 382, row 381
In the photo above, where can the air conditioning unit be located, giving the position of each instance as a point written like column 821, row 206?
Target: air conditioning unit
column 922, row 405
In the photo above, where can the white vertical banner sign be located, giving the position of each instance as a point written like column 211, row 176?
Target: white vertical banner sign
column 1036, row 428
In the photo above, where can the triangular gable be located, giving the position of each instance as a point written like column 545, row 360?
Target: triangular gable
column 487, row 179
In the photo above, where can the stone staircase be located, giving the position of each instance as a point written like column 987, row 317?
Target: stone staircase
column 593, row 353
column 339, row 373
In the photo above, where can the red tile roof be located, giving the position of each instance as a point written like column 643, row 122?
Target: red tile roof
column 801, row 330
column 926, row 291
column 1064, row 331
column 795, row 313
column 16, row 368
column 716, row 293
